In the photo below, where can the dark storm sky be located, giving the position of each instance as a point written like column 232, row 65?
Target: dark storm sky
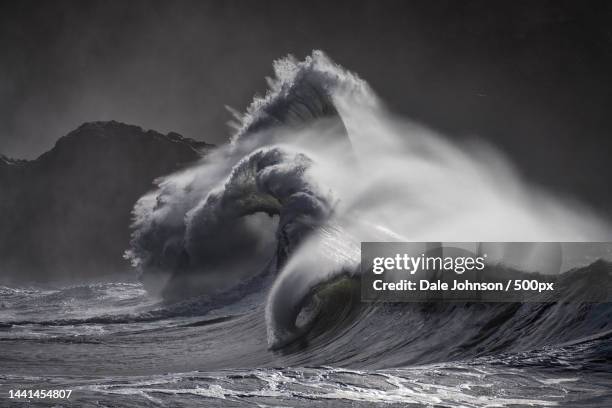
column 534, row 77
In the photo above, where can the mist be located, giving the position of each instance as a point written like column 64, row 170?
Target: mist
column 322, row 152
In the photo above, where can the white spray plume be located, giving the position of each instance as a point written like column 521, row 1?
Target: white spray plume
column 343, row 170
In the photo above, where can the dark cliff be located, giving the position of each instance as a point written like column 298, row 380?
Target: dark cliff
column 67, row 213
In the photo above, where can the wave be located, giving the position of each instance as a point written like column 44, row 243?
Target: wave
column 331, row 326
column 314, row 168
column 381, row 335
column 115, row 304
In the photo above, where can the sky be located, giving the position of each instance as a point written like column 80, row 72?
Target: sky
column 532, row 77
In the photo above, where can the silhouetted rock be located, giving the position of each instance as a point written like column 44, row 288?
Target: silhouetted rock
column 67, row 213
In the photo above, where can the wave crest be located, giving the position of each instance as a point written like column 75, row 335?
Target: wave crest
column 315, row 167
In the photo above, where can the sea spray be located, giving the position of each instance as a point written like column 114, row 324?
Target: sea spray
column 373, row 177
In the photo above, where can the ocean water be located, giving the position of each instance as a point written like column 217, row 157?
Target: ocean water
column 113, row 345
column 249, row 271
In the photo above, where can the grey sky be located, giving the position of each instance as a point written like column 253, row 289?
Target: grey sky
column 525, row 75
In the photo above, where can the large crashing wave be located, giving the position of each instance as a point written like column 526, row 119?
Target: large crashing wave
column 315, row 167
column 203, row 228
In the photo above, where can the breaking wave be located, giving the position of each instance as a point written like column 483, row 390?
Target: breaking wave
column 315, row 167
column 329, row 325
column 249, row 260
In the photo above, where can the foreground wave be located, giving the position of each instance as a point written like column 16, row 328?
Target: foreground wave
column 447, row 354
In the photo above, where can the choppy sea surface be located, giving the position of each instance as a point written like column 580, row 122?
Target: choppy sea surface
column 114, row 345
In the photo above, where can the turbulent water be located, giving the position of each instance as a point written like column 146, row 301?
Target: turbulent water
column 249, row 289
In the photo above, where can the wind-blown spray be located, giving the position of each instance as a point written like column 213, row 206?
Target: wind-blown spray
column 315, row 167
